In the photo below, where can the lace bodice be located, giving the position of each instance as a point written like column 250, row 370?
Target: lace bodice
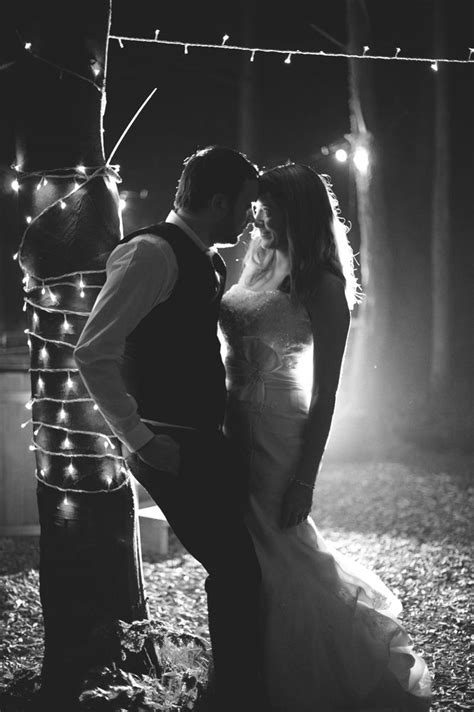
column 269, row 317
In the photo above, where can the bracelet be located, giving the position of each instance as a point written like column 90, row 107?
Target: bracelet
column 304, row 484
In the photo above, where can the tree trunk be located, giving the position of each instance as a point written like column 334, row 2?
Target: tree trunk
column 369, row 373
column 90, row 562
column 249, row 134
column 440, row 246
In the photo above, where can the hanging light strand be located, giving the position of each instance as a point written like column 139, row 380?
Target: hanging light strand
column 397, row 57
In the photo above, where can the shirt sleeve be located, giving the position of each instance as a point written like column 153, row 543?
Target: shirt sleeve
column 140, row 274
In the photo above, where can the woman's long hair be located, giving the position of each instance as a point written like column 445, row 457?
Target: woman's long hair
column 316, row 235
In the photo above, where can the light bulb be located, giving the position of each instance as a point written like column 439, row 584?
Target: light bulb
column 69, row 382
column 62, row 204
column 62, row 415
column 71, row 470
column 44, row 353
column 40, row 384
column 67, row 444
column 341, row 155
column 15, row 185
column 28, row 219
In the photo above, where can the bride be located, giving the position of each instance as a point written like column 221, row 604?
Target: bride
column 330, row 630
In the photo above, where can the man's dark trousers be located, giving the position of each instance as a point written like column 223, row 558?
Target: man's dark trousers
column 204, row 506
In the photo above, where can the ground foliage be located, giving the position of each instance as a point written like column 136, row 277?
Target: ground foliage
column 407, row 518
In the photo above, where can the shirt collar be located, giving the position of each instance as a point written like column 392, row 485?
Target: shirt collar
column 175, row 219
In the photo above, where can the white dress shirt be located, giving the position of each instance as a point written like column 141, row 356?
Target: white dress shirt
column 141, row 273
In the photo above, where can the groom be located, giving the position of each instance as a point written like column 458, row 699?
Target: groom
column 150, row 358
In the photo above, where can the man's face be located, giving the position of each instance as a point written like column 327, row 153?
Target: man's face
column 229, row 228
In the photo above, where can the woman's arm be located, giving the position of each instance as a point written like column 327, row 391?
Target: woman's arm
column 330, row 321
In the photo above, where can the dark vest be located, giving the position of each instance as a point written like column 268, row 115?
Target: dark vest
column 172, row 363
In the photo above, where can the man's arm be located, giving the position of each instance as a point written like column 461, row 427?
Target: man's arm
column 140, row 275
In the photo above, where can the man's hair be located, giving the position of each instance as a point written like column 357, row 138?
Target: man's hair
column 211, row 170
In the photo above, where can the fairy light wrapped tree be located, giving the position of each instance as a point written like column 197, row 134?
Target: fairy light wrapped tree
column 90, row 568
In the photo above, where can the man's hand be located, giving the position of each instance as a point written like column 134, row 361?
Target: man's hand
column 161, row 453
column 297, row 503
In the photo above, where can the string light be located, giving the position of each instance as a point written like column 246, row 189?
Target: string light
column 62, row 69
column 288, row 59
column 320, row 53
column 16, row 186
column 67, row 326
column 341, row 155
column 224, row 39
column 434, row 66
column 41, row 298
column 252, row 56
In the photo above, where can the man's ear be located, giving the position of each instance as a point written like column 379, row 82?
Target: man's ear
column 220, row 204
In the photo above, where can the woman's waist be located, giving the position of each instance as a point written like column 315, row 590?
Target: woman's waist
column 282, row 375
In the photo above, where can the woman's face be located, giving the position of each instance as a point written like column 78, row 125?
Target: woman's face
column 269, row 220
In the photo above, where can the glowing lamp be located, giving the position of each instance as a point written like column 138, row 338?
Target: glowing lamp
column 361, row 159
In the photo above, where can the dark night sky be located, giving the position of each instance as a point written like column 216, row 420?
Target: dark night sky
column 301, row 106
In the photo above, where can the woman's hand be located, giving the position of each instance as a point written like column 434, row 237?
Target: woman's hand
column 161, row 453
column 296, row 506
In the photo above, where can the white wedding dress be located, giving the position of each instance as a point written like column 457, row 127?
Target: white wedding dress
column 331, row 636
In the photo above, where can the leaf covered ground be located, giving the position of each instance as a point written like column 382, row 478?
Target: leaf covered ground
column 406, row 517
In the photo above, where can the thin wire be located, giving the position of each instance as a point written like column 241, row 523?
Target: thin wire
column 292, row 52
column 129, row 125
column 55, row 311
column 61, row 68
column 70, row 455
column 81, row 491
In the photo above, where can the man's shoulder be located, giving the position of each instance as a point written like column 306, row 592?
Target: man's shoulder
column 146, row 246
